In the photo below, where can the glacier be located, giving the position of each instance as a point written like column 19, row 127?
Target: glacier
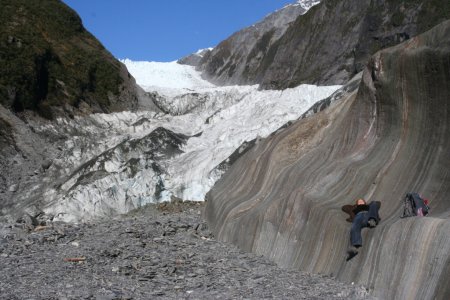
column 112, row 163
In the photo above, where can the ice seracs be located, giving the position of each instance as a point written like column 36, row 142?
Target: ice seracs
column 112, row 163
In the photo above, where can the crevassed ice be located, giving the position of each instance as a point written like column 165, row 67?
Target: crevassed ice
column 112, row 163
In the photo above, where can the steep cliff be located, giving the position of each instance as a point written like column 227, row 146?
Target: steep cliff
column 52, row 65
column 327, row 45
column 282, row 198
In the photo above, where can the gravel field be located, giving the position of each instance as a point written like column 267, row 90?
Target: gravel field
column 160, row 251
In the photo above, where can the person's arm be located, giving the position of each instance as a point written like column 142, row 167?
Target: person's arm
column 349, row 210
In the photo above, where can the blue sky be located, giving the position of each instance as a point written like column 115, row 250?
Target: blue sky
column 166, row 30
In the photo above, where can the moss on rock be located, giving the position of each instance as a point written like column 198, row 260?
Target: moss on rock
column 50, row 61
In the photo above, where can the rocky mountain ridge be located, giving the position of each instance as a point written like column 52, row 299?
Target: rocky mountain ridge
column 273, row 24
column 327, row 45
column 240, row 46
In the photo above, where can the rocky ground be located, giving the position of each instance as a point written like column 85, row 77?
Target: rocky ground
column 161, row 251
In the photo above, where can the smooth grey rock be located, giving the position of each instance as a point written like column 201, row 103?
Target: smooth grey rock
column 283, row 198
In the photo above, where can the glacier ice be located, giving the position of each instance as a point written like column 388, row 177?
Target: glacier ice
column 112, row 163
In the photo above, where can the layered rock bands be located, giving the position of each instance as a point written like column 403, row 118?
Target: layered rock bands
column 282, row 198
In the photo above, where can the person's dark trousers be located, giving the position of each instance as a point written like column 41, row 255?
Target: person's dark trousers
column 360, row 222
column 373, row 211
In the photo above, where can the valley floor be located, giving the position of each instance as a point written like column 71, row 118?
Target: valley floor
column 161, row 251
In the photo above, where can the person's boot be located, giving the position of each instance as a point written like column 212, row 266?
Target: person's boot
column 352, row 251
column 372, row 223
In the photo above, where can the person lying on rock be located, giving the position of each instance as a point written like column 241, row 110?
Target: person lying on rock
column 360, row 215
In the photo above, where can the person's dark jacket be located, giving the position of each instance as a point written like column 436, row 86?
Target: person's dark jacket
column 352, row 210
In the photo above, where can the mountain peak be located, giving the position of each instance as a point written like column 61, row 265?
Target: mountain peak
column 305, row 4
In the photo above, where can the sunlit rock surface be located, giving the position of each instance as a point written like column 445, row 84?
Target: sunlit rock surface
column 282, row 199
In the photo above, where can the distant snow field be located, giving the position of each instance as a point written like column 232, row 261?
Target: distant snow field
column 150, row 75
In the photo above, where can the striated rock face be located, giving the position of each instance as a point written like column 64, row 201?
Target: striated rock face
column 327, row 45
column 52, row 65
column 282, row 199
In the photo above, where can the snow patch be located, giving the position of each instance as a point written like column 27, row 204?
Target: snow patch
column 305, row 4
column 308, row 4
column 201, row 52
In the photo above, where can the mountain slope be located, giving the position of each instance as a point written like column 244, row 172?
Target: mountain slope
column 327, row 45
column 240, row 53
column 282, row 199
column 52, row 65
column 241, row 43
